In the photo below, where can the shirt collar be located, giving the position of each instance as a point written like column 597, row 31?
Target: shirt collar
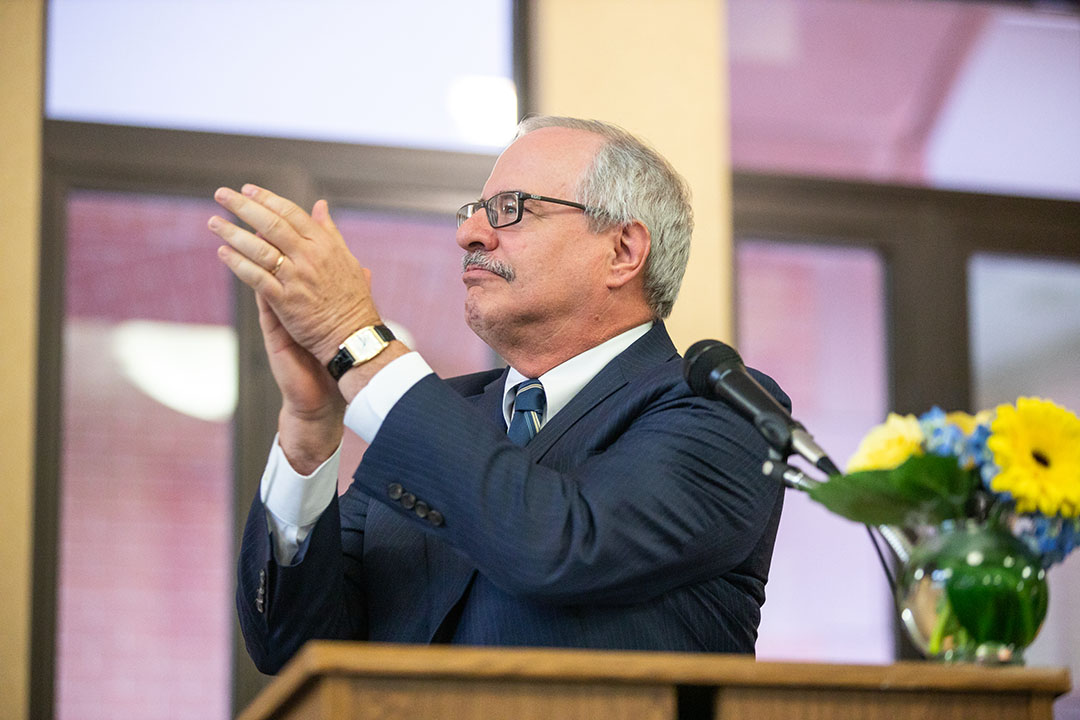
column 563, row 382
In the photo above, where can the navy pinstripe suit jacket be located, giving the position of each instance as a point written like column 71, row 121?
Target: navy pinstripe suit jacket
column 638, row 518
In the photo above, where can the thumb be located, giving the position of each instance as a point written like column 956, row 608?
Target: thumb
column 268, row 318
column 320, row 213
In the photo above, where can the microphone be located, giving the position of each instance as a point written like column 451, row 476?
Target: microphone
column 714, row 370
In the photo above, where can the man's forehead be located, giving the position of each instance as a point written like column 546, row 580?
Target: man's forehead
column 544, row 161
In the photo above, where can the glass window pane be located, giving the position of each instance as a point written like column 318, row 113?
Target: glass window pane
column 812, row 317
column 144, row 614
column 407, row 73
column 1025, row 329
column 978, row 96
column 1033, row 60
column 1025, row 340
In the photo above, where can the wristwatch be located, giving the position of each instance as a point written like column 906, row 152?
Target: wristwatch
column 358, row 348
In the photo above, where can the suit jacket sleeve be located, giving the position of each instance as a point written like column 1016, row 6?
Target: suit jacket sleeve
column 281, row 607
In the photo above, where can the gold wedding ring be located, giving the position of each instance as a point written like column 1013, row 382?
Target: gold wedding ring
column 277, row 265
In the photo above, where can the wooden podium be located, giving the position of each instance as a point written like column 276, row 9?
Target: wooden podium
column 363, row 680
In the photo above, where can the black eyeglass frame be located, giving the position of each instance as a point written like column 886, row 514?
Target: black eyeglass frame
column 467, row 210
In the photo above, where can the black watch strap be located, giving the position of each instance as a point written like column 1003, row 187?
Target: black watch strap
column 358, row 348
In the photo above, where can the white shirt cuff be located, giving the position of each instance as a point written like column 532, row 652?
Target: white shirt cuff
column 369, row 408
column 293, row 501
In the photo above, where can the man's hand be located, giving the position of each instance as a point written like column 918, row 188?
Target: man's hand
column 312, row 409
column 299, row 265
column 311, row 293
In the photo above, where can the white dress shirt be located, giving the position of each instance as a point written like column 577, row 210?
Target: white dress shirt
column 294, row 502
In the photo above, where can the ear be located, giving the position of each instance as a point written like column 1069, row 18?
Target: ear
column 631, row 244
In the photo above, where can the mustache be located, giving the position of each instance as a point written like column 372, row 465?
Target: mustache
column 480, row 259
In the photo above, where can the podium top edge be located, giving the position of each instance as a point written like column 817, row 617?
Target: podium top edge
column 321, row 660
column 379, row 659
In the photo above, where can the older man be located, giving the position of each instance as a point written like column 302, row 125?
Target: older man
column 582, row 497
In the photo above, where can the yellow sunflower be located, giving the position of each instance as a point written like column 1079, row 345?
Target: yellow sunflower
column 888, row 445
column 1036, row 446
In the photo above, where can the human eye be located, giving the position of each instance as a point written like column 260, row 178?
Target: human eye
column 507, row 204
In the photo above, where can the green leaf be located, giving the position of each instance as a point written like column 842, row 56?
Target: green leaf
column 925, row 489
column 868, row 497
column 941, row 487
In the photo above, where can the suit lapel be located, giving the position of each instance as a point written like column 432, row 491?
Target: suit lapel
column 490, row 401
column 651, row 349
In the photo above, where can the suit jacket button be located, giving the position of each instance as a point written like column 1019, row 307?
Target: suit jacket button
column 394, row 490
column 421, row 509
column 435, row 518
column 408, row 500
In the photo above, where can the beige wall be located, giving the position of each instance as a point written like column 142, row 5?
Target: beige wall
column 658, row 69
column 20, row 151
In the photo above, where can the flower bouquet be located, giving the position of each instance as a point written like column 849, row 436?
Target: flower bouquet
column 989, row 501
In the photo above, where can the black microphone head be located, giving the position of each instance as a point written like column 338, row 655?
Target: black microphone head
column 702, row 358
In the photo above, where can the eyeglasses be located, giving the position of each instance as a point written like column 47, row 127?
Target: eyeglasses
column 506, row 207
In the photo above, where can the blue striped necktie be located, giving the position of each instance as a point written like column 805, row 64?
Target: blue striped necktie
column 528, row 411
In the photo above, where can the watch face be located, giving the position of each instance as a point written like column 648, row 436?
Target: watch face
column 364, row 345
column 358, row 348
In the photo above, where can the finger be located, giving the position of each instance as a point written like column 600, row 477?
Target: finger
column 268, row 319
column 254, row 276
column 254, row 247
column 279, row 229
column 264, row 308
column 283, row 207
column 286, row 209
column 321, row 215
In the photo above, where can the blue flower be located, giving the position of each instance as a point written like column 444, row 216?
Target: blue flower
column 977, row 455
column 1052, row 538
column 941, row 437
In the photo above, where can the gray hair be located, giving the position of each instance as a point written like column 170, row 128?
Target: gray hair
column 628, row 181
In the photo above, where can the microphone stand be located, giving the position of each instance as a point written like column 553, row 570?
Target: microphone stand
column 777, row 468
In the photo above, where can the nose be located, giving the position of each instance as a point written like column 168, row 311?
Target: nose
column 476, row 233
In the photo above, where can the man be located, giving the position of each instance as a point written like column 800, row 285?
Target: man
column 606, row 506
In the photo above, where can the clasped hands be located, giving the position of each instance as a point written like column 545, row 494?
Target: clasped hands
column 312, row 294
column 298, row 265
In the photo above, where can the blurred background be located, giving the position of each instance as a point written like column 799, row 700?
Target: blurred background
column 888, row 202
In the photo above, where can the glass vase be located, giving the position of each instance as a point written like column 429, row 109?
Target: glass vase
column 972, row 592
